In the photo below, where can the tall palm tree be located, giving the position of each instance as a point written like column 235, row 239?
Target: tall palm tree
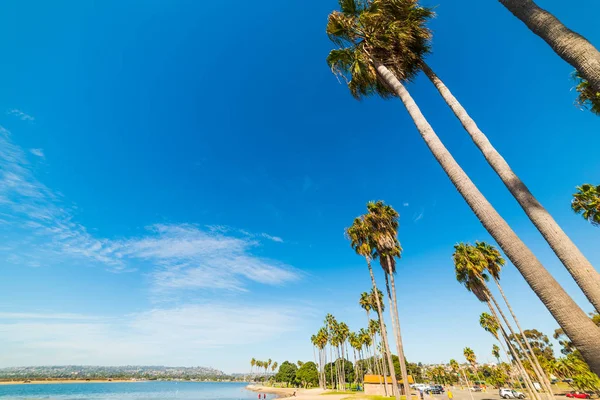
column 361, row 241
column 572, row 258
column 496, row 352
column 494, row 264
column 471, row 358
column 568, row 45
column 363, row 63
column 587, row 203
column 384, row 221
column 252, row 364
column 576, row 263
column 469, row 266
column 491, row 324
column 274, row 367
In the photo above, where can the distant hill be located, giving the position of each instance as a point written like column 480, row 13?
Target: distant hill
column 102, row 372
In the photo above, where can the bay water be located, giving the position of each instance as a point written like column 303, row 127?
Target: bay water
column 150, row 390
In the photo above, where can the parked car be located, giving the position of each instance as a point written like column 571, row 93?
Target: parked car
column 511, row 394
column 475, row 388
column 435, row 389
column 578, row 395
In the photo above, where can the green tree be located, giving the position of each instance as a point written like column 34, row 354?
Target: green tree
column 287, row 373
column 493, row 265
column 470, row 265
column 308, row 375
column 568, row 45
column 348, row 369
column 384, row 222
column 586, row 201
column 587, row 97
column 360, row 236
column 364, row 61
column 496, row 352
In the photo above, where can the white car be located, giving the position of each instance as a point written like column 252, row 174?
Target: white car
column 511, row 394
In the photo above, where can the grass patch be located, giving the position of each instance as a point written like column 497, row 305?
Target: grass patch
column 375, row 397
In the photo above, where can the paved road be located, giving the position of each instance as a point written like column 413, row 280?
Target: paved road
column 459, row 394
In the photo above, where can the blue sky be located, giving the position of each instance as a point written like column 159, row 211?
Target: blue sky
column 176, row 178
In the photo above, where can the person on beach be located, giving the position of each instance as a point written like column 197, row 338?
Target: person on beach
column 450, row 395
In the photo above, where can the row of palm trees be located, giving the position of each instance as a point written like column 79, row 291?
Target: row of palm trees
column 474, row 266
column 333, row 341
column 383, row 43
column 262, row 367
column 374, row 236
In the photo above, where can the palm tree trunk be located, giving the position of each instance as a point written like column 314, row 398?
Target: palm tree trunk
column 533, row 393
column 570, row 46
column 535, row 359
column 531, row 357
column 584, row 334
column 508, row 359
column 386, row 346
column 573, row 259
column 466, row 382
column 399, row 344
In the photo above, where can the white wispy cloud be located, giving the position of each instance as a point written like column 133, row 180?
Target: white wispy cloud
column 31, row 316
column 20, row 114
column 37, row 152
column 42, row 231
column 175, row 336
column 419, row 216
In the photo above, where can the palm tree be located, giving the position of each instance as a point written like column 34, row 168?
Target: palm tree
column 587, row 203
column 573, row 259
column 587, row 97
column 274, row 367
column 496, row 352
column 384, row 221
column 252, row 364
column 268, row 364
column 576, row 263
column 363, row 62
column 320, row 341
column 469, row 265
column 492, row 325
column 568, row 45
column 494, row 264
column 361, row 241
column 471, row 358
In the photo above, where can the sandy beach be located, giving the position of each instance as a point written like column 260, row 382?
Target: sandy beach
column 301, row 394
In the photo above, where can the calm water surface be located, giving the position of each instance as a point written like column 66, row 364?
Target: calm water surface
column 130, row 391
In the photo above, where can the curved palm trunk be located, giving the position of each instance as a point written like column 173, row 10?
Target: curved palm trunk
column 530, row 356
column 569, row 45
column 584, row 334
column 535, row 359
column 399, row 345
column 530, row 388
column 573, row 259
column 386, row 347
column 508, row 359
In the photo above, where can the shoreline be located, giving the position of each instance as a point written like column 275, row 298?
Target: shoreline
column 301, row 394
